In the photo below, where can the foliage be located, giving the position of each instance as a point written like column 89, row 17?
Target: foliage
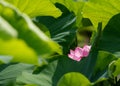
column 37, row 35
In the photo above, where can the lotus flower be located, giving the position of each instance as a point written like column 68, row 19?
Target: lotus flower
column 79, row 53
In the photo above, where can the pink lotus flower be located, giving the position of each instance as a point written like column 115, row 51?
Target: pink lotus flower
column 79, row 53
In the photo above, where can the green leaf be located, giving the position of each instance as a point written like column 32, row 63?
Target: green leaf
column 114, row 68
column 28, row 78
column 12, row 71
column 103, row 60
column 51, row 74
column 6, row 31
column 102, row 82
column 14, row 47
column 27, row 31
column 30, row 85
column 44, row 78
column 36, row 7
column 100, row 10
column 18, row 50
column 74, row 79
column 63, row 29
column 43, row 28
column 73, row 6
column 109, row 40
column 5, row 59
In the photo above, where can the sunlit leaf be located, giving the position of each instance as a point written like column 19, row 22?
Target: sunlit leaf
column 18, row 50
column 27, row 31
column 74, row 79
column 101, row 10
column 6, row 31
column 36, row 7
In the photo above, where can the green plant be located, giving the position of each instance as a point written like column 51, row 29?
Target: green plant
column 37, row 35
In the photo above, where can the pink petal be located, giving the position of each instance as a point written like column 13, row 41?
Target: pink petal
column 87, row 47
column 74, row 57
column 86, row 50
column 72, row 52
column 78, row 59
column 78, row 52
column 70, row 56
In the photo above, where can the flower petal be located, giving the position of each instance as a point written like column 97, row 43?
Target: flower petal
column 77, row 59
column 86, row 50
column 78, row 52
column 72, row 52
column 87, row 47
column 74, row 57
column 70, row 56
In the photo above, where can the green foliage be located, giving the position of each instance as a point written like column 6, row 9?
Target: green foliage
column 101, row 10
column 10, row 48
column 5, row 59
column 28, row 32
column 114, row 70
column 12, row 71
column 111, row 31
column 36, row 36
column 44, row 78
column 103, row 60
column 62, row 30
column 73, row 6
column 6, row 31
column 76, row 79
column 39, row 8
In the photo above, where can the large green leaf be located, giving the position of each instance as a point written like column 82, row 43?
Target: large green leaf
column 12, row 71
column 36, row 7
column 74, row 79
column 14, row 48
column 27, row 31
column 101, row 10
column 44, row 78
column 73, row 6
column 18, row 50
column 109, row 40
